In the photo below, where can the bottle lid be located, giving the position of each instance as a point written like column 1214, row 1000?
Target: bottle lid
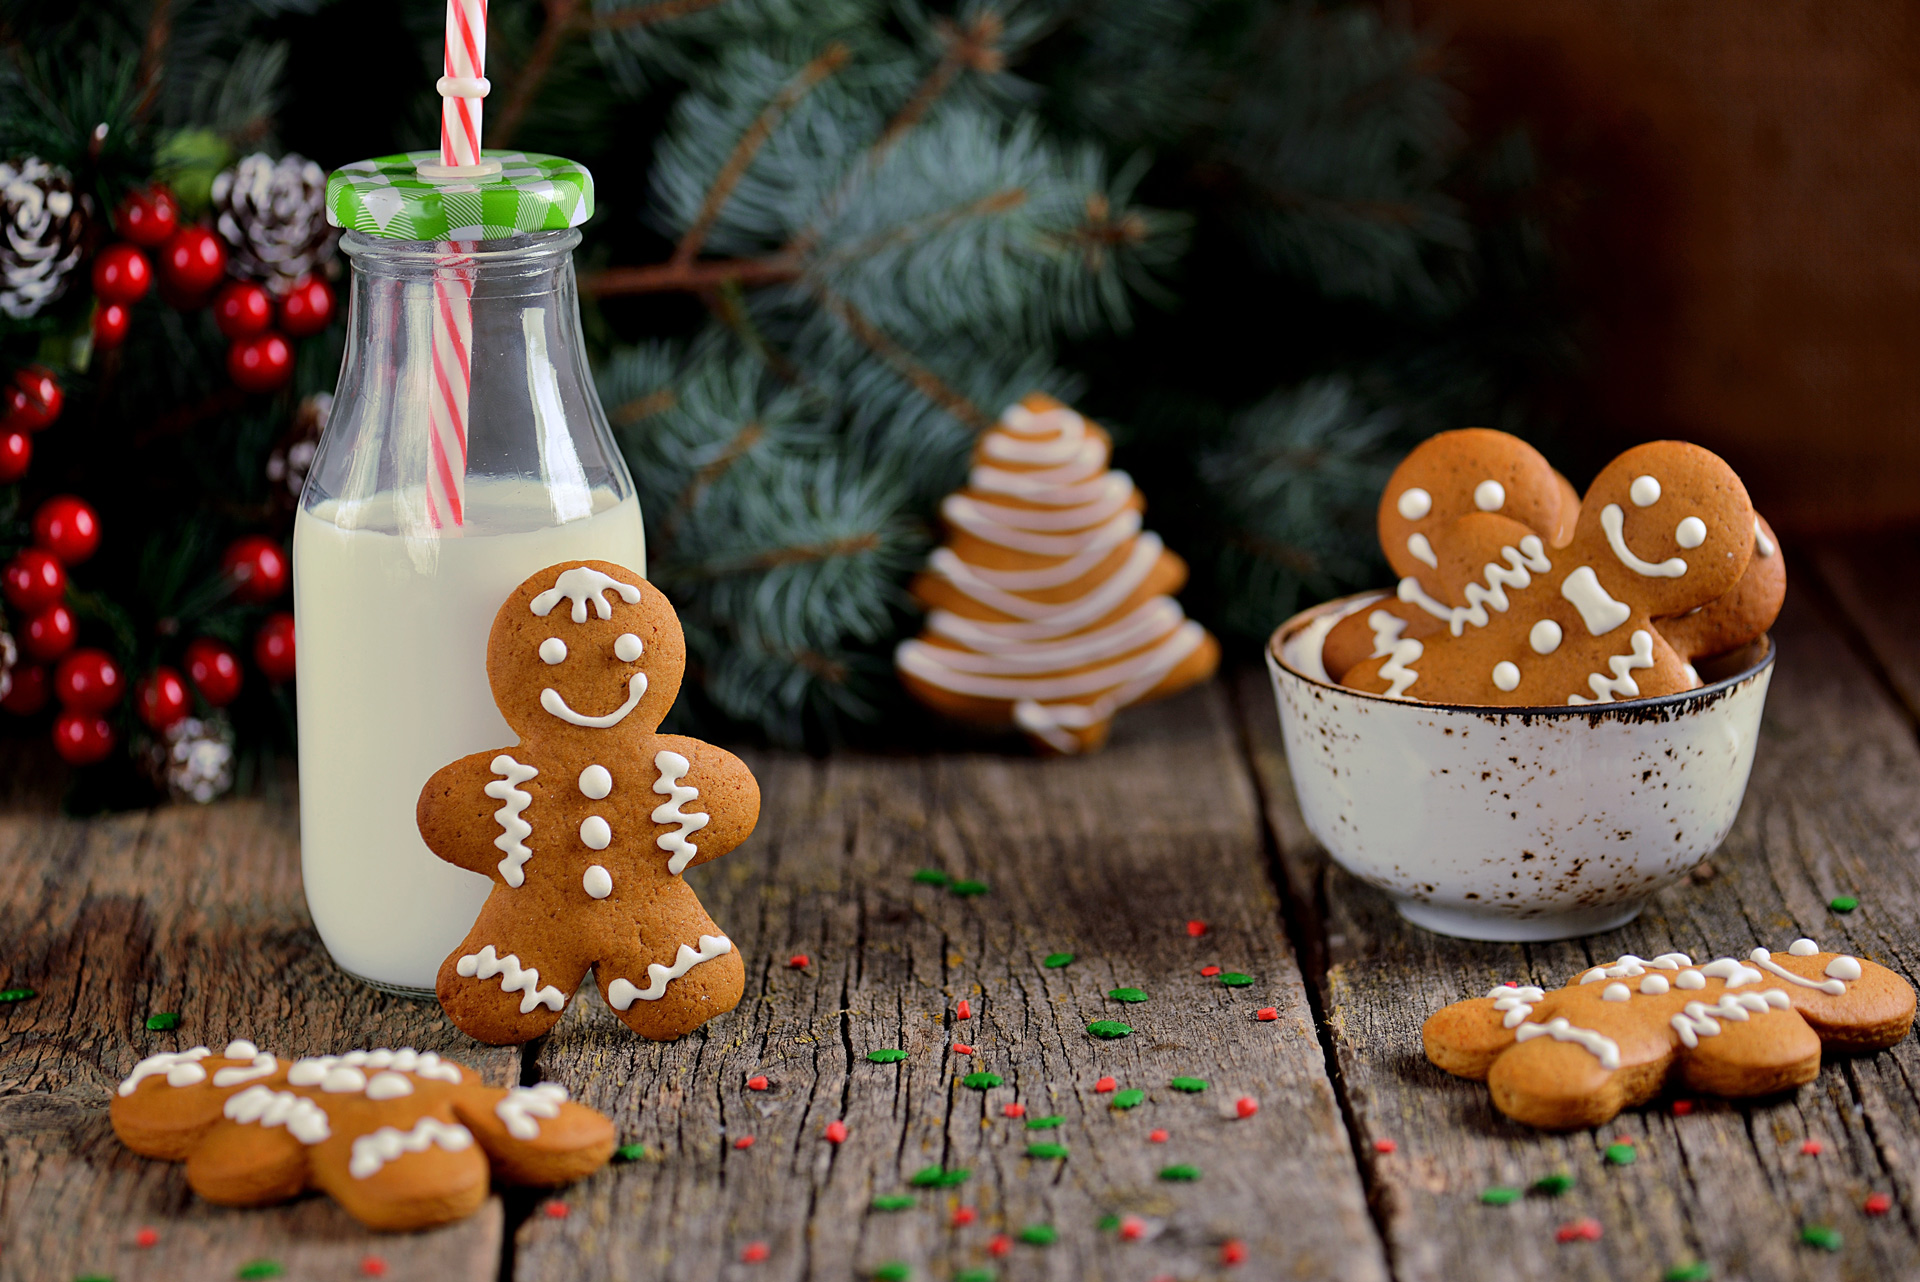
column 413, row 197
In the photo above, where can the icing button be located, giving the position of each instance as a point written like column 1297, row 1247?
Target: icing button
column 1803, row 948
column 1689, row 979
column 1844, row 968
column 597, row 882
column 1654, row 985
column 595, row 782
column 1615, row 993
column 595, row 833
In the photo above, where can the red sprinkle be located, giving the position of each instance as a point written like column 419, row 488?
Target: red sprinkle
column 963, row 1216
column 1681, row 1107
column 557, row 1210
column 1813, row 1148
column 799, row 961
column 1877, row 1204
column 1132, row 1228
column 758, row 1082
column 146, row 1237
column 961, row 1048
column 1234, row 1252
column 1584, row 1229
column 964, row 1010
column 1246, row 1106
column 1013, row 1110
column 836, row 1131
column 1266, row 1012
column 1000, row 1245
column 1209, row 971
column 1196, row 928
column 1106, row 1084
column 1385, row 1146
column 745, row 1141
column 754, row 1252
column 373, row 1266
column 1157, row 1137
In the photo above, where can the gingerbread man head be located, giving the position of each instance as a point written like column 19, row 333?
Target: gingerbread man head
column 1453, row 474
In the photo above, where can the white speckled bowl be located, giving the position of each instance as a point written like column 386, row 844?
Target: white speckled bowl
column 1515, row 823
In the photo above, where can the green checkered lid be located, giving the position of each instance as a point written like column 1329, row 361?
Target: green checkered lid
column 387, row 197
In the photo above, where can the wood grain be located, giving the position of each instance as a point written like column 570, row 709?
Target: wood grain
column 1830, row 810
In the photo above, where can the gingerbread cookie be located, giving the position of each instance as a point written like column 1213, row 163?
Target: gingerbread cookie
column 1667, row 527
column 1049, row 608
column 587, row 824
column 401, row 1139
column 1617, row 1034
column 1743, row 614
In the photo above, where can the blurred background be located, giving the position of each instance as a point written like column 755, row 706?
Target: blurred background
column 1267, row 243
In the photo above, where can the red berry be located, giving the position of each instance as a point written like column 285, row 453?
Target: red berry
column 81, row 738
column 260, row 363
column 214, row 670
column 33, row 580
column 111, row 321
column 122, row 274
column 161, row 698
column 29, row 691
column 88, row 681
column 242, row 308
column 16, row 451
column 67, row 527
column 192, row 261
column 34, row 399
column 258, row 568
column 148, row 217
column 307, row 307
column 49, row 634
column 273, row 647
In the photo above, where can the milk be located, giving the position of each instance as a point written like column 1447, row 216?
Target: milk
column 392, row 684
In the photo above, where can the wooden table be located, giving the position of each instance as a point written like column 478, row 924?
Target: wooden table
column 1362, row 1161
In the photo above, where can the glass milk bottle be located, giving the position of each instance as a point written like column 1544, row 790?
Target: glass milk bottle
column 423, row 509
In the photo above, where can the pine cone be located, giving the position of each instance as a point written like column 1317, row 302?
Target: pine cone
column 44, row 220
column 287, row 465
column 193, row 759
column 9, row 656
column 273, row 216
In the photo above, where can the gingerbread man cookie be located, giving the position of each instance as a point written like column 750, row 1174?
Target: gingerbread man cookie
column 1667, row 527
column 1743, row 614
column 1617, row 1034
column 586, row 825
column 401, row 1139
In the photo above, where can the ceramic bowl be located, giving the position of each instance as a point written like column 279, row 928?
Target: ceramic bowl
column 1515, row 823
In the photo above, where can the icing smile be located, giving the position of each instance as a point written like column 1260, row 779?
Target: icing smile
column 551, row 700
column 1613, row 521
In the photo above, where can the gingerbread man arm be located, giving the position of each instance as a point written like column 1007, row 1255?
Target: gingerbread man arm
column 1466, row 1037
column 470, row 807
column 709, row 804
column 535, row 1135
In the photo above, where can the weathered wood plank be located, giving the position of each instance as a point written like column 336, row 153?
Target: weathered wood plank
column 196, row 911
column 1876, row 581
column 1831, row 809
column 1106, row 858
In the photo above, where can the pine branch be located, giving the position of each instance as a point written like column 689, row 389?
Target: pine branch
column 648, row 15
column 153, row 54
column 533, row 74
column 924, row 380
column 690, row 277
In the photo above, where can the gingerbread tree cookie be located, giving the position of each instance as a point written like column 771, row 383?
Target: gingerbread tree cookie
column 1049, row 608
column 1616, row 1035
column 587, row 824
column 401, row 1139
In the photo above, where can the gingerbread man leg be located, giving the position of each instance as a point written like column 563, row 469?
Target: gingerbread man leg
column 667, row 990
column 508, row 982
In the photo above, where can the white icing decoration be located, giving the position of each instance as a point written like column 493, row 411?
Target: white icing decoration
column 1615, row 992
column 1761, row 543
column 1505, row 675
column 305, row 1120
column 1844, row 968
column 514, row 830
column 553, row 650
column 1604, row 1048
column 372, row 1152
column 596, row 782
column 1645, row 491
column 1628, row 966
column 1489, row 495
column 1613, row 521
column 1415, row 503
column 595, row 833
column 673, row 767
column 596, row 881
column 1764, row 960
column 1698, row 1019
column 551, row 700
column 341, row 1080
column 263, row 1066
column 1600, row 612
column 1421, row 550
column 1530, row 555
column 1515, row 1002
column 1387, row 644
column 1690, row 533
column 181, row 1068
column 513, row 978
column 240, row 1048
column 519, row 1107
column 1803, row 948
column 580, row 585
column 627, row 647
column 1654, row 985
column 1690, row 979
column 1621, row 684
column 1545, row 637
column 1731, row 971
column 389, row 1085
column 314, row 1069
column 621, row 994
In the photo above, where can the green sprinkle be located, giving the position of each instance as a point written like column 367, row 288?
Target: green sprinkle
column 1622, row 1154
column 93, row 1277
column 1234, row 979
column 1499, row 1195
column 1821, row 1236
column 1039, row 1235
column 973, row 1275
column 1055, row 961
column 931, row 877
column 1128, row 995
column 260, row 1269
column 892, row 1271
column 1698, row 1271
column 1109, row 1028
column 981, row 1081
column 1107, row 1223
column 1553, row 1185
column 968, row 889
column 1191, row 1085
column 938, row 1177
column 1182, row 1173
column 629, row 1152
column 887, row 1056
column 1043, row 1123
column 892, row 1202
column 1047, row 1151
column 1843, row 903
column 1129, row 1098
column 165, row 1022
column 16, row 994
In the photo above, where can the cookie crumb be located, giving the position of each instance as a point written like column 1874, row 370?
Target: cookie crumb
column 1584, row 1229
column 745, row 1141
column 963, row 1216
column 1156, row 1136
column 146, row 1237
column 836, row 1131
column 1266, row 1013
column 1013, row 1110
column 1877, row 1204
column 1233, row 1251
column 961, row 1048
column 556, row 1210
column 1000, row 1245
column 1196, row 928
column 754, row 1252
column 1105, row 1085
column 758, row 1082
column 1386, row 1146
column 373, row 1266
column 164, row 1021
column 1812, row 1148
column 1246, row 1106
column 964, row 1010
column 1843, row 903
column 1499, row 1195
column 799, row 961
column 1821, row 1236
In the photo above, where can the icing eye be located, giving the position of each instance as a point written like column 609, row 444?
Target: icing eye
column 1645, row 491
column 553, row 650
column 1421, row 550
column 1489, row 496
column 1506, row 675
column 1545, row 637
column 626, row 647
column 1691, row 533
column 1415, row 503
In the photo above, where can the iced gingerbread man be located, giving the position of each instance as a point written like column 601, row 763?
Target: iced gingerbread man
column 587, row 825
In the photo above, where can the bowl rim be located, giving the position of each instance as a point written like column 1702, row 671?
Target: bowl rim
column 1628, row 707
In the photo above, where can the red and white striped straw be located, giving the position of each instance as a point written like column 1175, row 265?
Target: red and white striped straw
column 464, row 86
column 462, row 91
